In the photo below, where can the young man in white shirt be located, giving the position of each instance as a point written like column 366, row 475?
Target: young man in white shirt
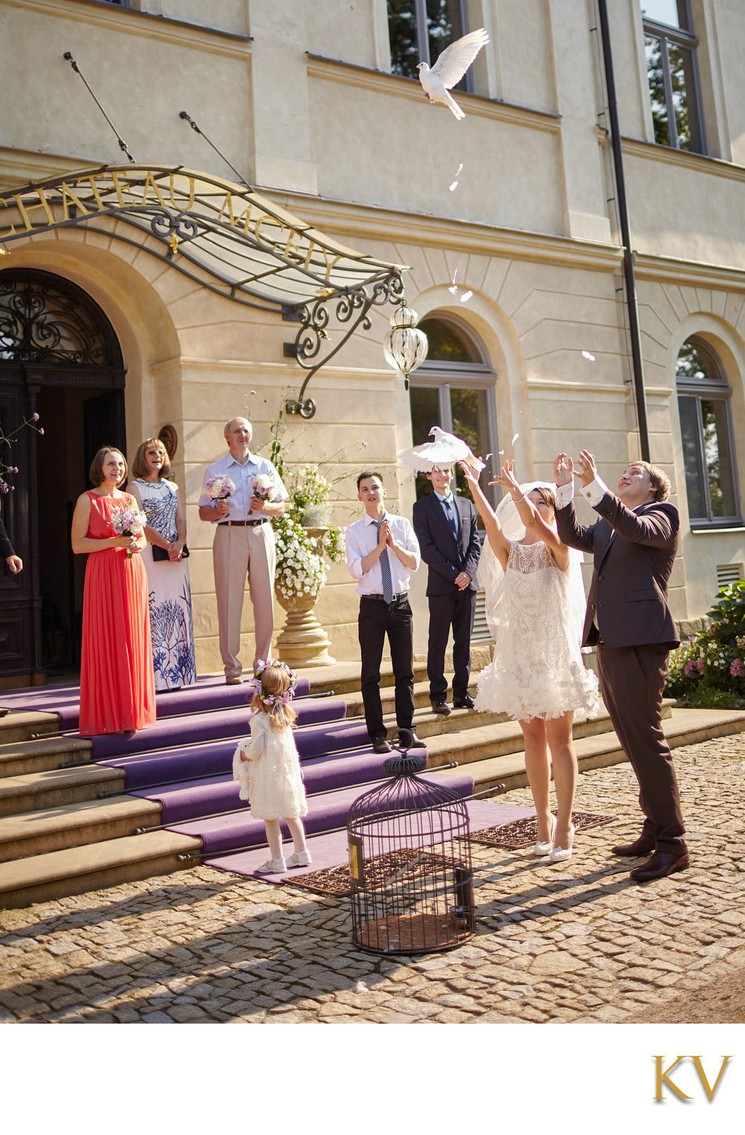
column 382, row 551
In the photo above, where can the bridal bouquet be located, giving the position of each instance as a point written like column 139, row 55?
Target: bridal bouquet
column 129, row 522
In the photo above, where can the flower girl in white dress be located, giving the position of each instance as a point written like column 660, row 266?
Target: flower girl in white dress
column 537, row 675
column 267, row 766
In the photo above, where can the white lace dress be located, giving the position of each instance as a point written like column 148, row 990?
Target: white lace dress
column 270, row 779
column 537, row 670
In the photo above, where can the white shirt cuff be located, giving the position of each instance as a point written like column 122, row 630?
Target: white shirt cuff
column 594, row 492
column 565, row 494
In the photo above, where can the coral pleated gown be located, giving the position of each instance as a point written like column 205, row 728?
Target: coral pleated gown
column 117, row 689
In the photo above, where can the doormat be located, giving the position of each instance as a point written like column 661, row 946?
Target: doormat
column 336, row 881
column 524, row 832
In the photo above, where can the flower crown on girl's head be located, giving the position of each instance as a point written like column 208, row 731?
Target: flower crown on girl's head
column 274, row 699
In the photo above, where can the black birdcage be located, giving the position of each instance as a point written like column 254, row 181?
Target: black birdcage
column 410, row 863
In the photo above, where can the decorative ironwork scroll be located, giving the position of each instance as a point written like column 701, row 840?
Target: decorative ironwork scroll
column 41, row 322
column 350, row 312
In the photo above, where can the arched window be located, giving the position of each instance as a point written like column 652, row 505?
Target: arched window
column 708, row 441
column 452, row 389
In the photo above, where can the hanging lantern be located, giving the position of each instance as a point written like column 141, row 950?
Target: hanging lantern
column 405, row 346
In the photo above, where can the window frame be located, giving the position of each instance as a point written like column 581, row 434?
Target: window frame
column 712, row 388
column 686, row 40
column 445, row 376
column 422, row 39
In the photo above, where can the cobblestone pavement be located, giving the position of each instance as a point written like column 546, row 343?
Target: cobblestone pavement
column 575, row 942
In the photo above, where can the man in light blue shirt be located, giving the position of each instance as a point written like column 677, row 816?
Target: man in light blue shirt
column 243, row 548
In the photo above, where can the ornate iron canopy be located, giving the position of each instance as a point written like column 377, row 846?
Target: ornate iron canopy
column 224, row 236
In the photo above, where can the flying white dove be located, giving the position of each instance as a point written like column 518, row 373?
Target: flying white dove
column 450, row 68
column 446, row 449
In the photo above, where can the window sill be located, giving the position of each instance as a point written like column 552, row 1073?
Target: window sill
column 718, row 530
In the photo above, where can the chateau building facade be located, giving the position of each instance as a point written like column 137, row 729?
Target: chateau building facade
column 161, row 294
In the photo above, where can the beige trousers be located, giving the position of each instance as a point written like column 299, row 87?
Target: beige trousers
column 241, row 553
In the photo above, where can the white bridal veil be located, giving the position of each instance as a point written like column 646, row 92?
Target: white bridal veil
column 492, row 576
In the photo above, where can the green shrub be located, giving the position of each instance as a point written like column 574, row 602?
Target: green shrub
column 709, row 669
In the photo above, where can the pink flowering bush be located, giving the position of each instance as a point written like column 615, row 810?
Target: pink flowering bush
column 709, row 669
column 8, row 440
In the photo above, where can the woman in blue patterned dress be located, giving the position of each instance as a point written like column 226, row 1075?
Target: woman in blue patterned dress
column 168, row 577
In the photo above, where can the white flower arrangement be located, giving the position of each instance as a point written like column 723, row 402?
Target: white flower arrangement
column 300, row 569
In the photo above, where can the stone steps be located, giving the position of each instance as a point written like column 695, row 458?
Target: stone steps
column 67, row 830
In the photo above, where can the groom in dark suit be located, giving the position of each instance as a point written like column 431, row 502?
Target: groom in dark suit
column 445, row 526
column 633, row 545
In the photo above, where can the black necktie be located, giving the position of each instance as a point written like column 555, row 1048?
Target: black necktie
column 450, row 510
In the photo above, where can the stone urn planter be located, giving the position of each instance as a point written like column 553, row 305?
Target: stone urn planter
column 302, row 641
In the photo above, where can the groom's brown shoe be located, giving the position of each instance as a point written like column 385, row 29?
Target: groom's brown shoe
column 640, row 846
column 659, row 865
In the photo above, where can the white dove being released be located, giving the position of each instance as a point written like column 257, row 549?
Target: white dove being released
column 450, row 68
column 446, row 449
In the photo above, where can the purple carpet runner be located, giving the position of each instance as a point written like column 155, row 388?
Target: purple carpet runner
column 184, row 761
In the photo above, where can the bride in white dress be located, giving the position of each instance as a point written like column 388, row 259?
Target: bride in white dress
column 535, row 603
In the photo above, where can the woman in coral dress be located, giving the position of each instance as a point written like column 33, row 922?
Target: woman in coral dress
column 117, row 691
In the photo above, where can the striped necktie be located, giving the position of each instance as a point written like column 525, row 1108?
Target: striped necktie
column 385, row 569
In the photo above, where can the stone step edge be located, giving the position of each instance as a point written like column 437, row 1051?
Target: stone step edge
column 29, row 792
column 38, row 756
column 27, row 725
column 74, row 825
column 71, row 871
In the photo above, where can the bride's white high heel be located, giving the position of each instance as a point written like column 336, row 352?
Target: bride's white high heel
column 561, row 854
column 543, row 848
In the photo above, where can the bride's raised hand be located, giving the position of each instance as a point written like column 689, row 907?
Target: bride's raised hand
column 506, row 478
column 563, row 469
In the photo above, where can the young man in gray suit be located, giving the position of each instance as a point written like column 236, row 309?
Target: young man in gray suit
column 633, row 545
column 445, row 526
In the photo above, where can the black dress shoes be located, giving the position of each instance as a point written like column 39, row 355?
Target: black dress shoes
column 440, row 705
column 416, row 742
column 380, row 744
column 640, row 846
column 659, row 865
column 466, row 702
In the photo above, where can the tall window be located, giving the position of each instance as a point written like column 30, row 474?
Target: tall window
column 419, row 30
column 672, row 73
column 706, row 428
column 452, row 390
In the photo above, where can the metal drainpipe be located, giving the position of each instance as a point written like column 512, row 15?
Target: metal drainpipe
column 623, row 216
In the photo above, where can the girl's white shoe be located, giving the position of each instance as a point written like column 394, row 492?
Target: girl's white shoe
column 300, row 859
column 561, row 854
column 272, row 867
column 542, row 848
